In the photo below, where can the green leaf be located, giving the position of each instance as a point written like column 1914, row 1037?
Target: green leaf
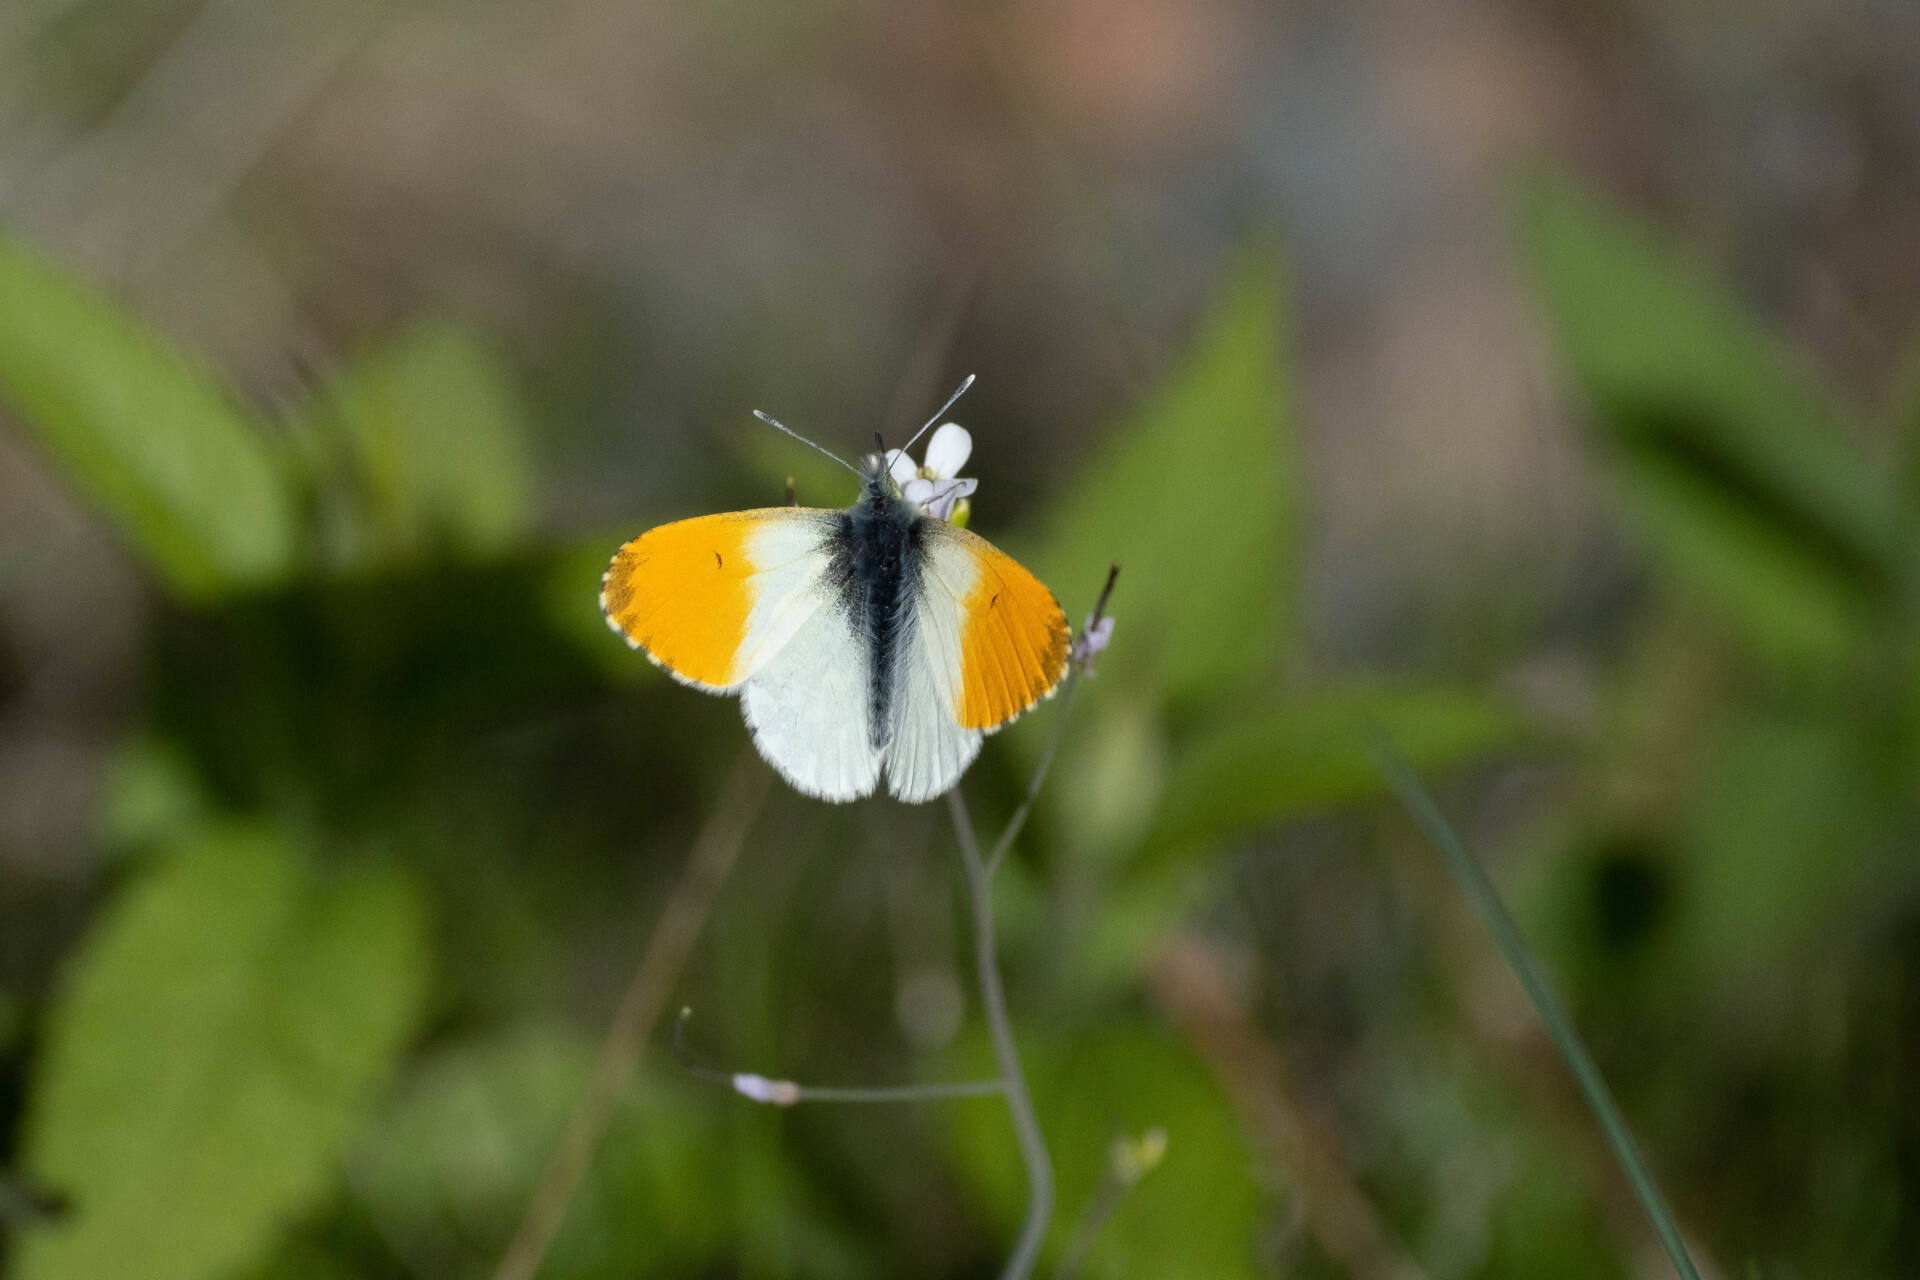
column 438, row 438
column 221, row 1037
column 1742, row 478
column 1784, row 598
column 149, row 439
column 1196, row 1215
column 1308, row 754
column 1197, row 499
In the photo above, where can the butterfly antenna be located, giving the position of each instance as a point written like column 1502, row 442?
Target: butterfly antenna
column 941, row 412
column 778, row 425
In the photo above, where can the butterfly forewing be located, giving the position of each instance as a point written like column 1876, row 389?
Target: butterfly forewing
column 712, row 599
column 1013, row 635
column 930, row 748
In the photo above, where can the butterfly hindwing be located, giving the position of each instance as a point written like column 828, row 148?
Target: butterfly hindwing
column 807, row 708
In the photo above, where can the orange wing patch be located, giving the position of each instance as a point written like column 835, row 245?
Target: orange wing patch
column 682, row 593
column 1013, row 640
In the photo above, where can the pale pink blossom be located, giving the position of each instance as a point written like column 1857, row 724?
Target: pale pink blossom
column 936, row 485
column 1092, row 641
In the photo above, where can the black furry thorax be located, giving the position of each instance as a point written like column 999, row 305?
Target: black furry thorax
column 874, row 567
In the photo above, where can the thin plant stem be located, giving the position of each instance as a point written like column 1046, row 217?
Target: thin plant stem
column 1113, row 1189
column 1020, row 813
column 788, row 1093
column 899, row 1092
column 993, row 1003
column 1019, row 818
column 681, row 920
column 1485, row 899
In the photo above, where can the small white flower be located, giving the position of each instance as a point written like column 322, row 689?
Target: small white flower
column 1092, row 641
column 937, row 487
column 775, row 1093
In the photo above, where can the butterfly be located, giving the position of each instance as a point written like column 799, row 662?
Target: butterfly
column 877, row 640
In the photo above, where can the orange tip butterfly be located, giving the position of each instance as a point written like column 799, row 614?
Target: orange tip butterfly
column 878, row 639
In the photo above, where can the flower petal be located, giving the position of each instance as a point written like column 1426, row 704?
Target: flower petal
column 948, row 451
column 917, row 490
column 900, row 466
column 1092, row 641
column 946, row 495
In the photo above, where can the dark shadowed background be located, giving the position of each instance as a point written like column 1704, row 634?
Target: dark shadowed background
column 1537, row 382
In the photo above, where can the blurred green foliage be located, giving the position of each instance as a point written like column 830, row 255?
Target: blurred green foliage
column 1195, row 1217
column 1741, row 841
column 1762, row 513
column 1206, row 596
column 1300, row 756
column 222, row 1037
column 436, row 449
column 379, row 697
column 449, row 1164
column 192, row 484
column 1745, row 482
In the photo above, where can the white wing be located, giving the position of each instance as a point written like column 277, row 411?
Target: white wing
column 929, row 749
column 807, row 707
column 790, row 558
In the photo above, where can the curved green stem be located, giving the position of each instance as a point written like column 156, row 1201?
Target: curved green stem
column 993, row 1002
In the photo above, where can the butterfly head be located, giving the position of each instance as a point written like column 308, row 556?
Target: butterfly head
column 877, row 483
column 889, row 476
